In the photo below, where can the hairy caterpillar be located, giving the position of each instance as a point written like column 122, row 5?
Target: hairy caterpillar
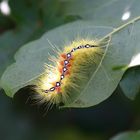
column 63, row 81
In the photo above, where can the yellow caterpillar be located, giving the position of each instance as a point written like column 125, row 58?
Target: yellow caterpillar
column 63, row 81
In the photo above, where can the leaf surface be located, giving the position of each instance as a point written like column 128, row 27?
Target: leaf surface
column 121, row 49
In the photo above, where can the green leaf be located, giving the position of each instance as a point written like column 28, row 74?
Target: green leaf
column 106, row 77
column 30, row 59
column 102, row 12
column 10, row 41
column 128, row 136
column 130, row 84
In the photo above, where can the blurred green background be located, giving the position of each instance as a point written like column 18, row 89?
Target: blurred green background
column 27, row 20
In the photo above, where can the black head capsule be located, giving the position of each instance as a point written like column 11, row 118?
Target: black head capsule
column 87, row 46
column 52, row 89
column 66, row 62
column 62, row 77
column 68, row 55
column 58, row 84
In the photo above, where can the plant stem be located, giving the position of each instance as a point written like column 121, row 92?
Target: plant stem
column 121, row 27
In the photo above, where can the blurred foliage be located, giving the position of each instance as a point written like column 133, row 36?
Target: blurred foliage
column 29, row 19
column 22, row 120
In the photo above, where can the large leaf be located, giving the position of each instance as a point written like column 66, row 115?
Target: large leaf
column 31, row 64
column 124, row 47
column 128, row 136
column 103, row 12
column 30, row 59
column 109, row 13
column 10, row 41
